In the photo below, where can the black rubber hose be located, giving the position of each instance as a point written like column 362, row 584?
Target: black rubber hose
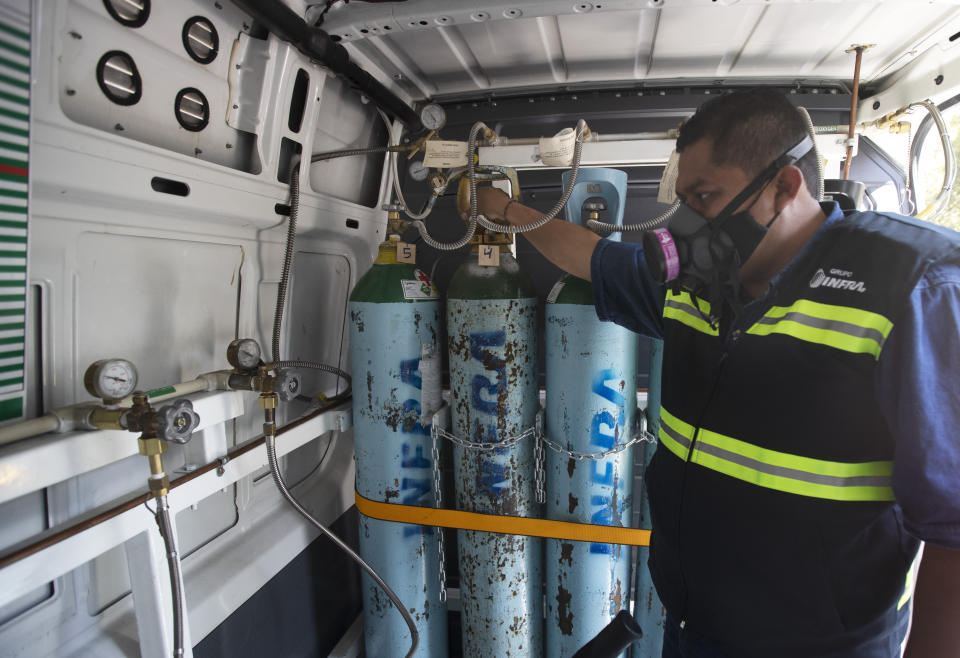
column 613, row 639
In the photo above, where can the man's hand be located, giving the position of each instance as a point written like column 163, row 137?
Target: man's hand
column 491, row 202
column 566, row 245
column 935, row 632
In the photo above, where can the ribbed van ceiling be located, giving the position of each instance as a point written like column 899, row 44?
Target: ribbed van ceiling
column 437, row 49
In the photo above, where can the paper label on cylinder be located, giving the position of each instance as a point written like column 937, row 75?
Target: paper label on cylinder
column 419, row 290
column 489, row 255
column 557, row 151
column 406, row 253
column 443, row 155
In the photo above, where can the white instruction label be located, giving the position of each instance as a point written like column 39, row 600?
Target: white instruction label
column 443, row 155
column 557, row 151
column 667, row 192
column 419, row 290
column 489, row 255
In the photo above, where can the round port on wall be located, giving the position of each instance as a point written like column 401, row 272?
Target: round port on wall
column 200, row 39
column 132, row 13
column 119, row 78
column 192, row 109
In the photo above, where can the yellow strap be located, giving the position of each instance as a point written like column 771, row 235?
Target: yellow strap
column 509, row 525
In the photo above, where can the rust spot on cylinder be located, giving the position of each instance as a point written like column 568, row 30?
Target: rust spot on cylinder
column 564, row 615
column 566, row 553
column 573, row 502
column 571, row 466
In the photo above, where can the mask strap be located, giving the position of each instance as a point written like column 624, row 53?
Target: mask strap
column 790, row 156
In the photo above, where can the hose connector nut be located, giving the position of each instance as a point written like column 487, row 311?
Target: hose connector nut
column 268, row 401
column 159, row 486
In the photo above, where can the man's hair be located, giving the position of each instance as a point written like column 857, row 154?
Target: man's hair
column 750, row 129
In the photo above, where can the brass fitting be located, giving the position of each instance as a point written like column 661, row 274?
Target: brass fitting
column 152, row 448
column 268, row 400
column 107, row 419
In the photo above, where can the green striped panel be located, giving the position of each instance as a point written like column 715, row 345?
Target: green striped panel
column 14, row 128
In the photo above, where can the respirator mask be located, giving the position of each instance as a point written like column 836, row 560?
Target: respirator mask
column 703, row 256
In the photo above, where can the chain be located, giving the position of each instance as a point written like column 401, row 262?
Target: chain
column 540, row 439
column 539, row 460
column 437, row 491
column 645, row 437
column 487, row 447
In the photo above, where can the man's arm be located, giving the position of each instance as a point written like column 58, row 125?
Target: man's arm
column 935, row 631
column 566, row 245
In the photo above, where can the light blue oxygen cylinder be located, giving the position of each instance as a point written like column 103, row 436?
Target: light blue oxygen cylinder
column 648, row 610
column 492, row 342
column 394, row 322
column 591, row 406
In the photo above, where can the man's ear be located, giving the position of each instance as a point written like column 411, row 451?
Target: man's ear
column 789, row 185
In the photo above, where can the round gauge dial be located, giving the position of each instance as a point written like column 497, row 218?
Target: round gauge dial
column 417, row 171
column 433, row 117
column 244, row 353
column 110, row 379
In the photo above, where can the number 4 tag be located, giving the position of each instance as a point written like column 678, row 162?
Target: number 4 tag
column 489, row 255
column 406, row 253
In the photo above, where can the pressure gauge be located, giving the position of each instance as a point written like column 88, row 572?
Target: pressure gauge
column 244, row 353
column 433, row 117
column 417, row 171
column 110, row 379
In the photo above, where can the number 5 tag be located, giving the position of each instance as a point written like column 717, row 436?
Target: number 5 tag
column 489, row 255
column 406, row 253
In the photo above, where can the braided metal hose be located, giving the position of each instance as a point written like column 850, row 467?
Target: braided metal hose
column 939, row 204
column 342, row 153
column 523, row 228
column 281, row 485
column 472, row 223
column 333, row 370
column 287, row 258
column 173, row 563
column 603, row 227
column 812, row 133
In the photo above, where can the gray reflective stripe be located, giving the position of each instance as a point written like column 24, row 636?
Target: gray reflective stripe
column 833, row 325
column 675, row 435
column 793, row 474
column 670, row 303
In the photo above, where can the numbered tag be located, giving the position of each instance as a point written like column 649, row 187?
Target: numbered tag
column 406, row 253
column 489, row 255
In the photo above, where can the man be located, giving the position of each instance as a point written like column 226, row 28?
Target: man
column 809, row 432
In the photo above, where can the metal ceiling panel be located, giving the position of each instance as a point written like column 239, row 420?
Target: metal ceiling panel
column 437, row 49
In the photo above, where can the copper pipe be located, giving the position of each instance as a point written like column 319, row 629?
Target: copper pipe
column 851, row 132
column 54, row 536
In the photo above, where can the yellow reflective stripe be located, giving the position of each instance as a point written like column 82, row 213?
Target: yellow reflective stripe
column 511, row 525
column 789, row 485
column 781, row 471
column 683, row 308
column 907, row 589
column 795, row 462
column 841, row 327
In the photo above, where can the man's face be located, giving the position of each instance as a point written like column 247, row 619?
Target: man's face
column 706, row 186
